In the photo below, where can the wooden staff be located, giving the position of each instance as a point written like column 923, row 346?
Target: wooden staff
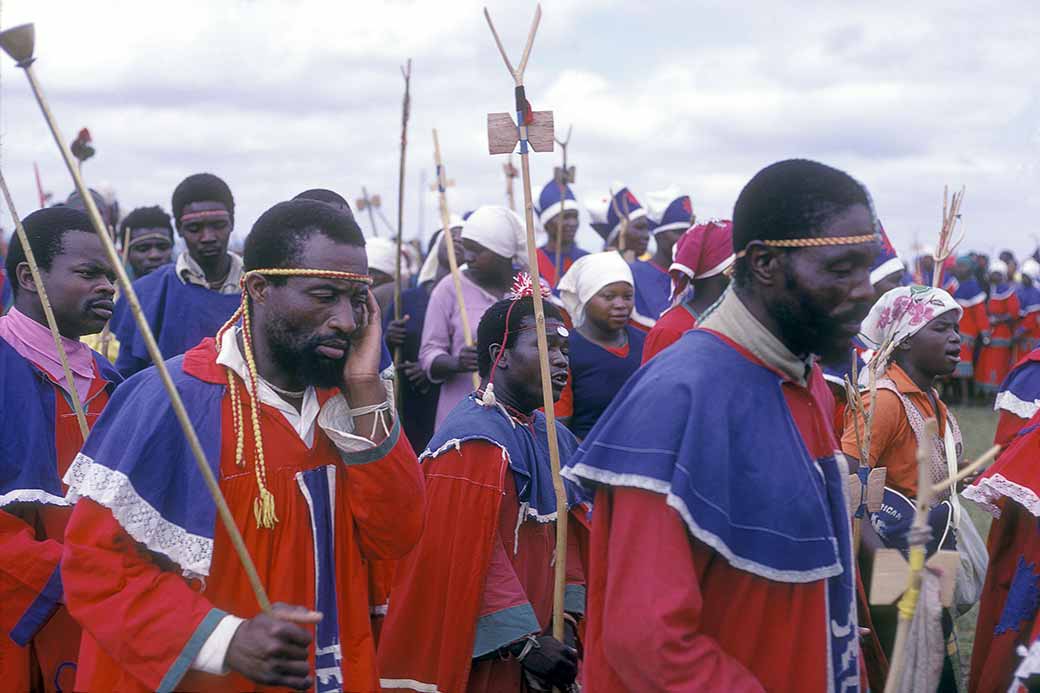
column 106, row 333
column 18, row 43
column 946, row 246
column 908, row 603
column 530, row 129
column 406, row 106
column 622, row 239
column 562, row 179
column 446, row 238
column 52, row 323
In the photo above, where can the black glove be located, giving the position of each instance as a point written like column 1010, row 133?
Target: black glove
column 551, row 661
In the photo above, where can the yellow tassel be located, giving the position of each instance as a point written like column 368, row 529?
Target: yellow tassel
column 263, row 509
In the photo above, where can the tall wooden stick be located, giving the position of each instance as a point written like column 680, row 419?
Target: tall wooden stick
column 453, row 263
column 18, row 43
column 946, row 246
column 106, row 334
column 406, row 107
column 562, row 181
column 52, row 323
column 908, row 603
column 539, row 312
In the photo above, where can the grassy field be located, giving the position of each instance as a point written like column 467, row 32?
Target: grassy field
column 978, row 425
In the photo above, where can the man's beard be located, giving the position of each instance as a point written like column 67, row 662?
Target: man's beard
column 300, row 356
column 807, row 329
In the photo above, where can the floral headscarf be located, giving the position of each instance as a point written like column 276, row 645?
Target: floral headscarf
column 903, row 311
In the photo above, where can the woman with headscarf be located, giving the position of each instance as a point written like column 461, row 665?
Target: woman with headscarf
column 492, row 241
column 702, row 256
column 597, row 292
column 418, row 396
column 922, row 325
column 1003, row 308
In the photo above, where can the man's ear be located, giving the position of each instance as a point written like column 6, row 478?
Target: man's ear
column 494, row 350
column 764, row 263
column 25, row 280
column 257, row 287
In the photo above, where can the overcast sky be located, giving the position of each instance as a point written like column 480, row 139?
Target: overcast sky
column 276, row 97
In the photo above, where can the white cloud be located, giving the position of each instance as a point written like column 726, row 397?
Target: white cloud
column 277, row 97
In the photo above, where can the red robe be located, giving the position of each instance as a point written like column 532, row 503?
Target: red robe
column 31, row 536
column 123, row 594
column 696, row 623
column 474, row 581
column 995, row 357
column 672, row 324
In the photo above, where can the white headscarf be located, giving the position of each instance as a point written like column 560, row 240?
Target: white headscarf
column 499, row 230
column 903, row 311
column 432, row 264
column 998, row 266
column 586, row 277
column 382, row 255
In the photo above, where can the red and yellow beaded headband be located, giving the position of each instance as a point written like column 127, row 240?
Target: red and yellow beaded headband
column 817, row 242
column 263, row 504
column 204, row 214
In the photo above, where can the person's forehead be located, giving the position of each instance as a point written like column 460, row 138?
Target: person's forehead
column 79, row 245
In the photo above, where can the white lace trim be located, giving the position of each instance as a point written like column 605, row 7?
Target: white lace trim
column 988, row 490
column 31, row 495
column 410, row 684
column 1030, row 664
column 526, row 511
column 582, row 472
column 113, row 489
column 1021, row 408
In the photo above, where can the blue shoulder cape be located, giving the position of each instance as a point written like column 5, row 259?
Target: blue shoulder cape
column 1020, row 391
column 969, row 293
column 653, row 288
column 180, row 315
column 527, row 451
column 137, row 463
column 712, row 431
column 28, row 449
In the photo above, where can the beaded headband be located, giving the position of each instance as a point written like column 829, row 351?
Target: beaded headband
column 204, row 214
column 818, row 242
column 149, row 237
column 263, row 504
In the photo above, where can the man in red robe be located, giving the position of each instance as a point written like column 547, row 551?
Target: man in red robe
column 40, row 641
column 299, row 430
column 720, row 556
column 471, row 607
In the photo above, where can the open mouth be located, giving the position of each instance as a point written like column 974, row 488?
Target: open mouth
column 559, row 380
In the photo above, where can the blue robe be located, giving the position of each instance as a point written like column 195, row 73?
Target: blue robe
column 180, row 316
column 653, row 288
column 418, row 409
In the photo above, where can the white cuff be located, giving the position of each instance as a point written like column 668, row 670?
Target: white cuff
column 210, row 659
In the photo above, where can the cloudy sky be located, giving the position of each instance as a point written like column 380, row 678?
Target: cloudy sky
column 277, row 97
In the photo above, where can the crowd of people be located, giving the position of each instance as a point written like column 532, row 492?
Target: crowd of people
column 718, row 383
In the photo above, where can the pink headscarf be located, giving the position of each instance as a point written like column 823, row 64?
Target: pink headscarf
column 703, row 251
